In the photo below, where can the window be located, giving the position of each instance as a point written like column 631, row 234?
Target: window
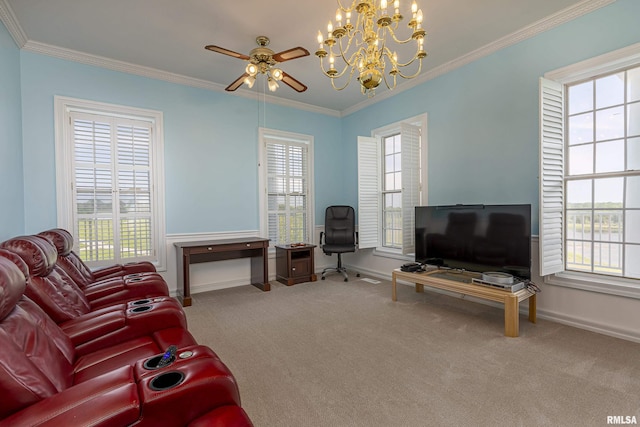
column 590, row 174
column 390, row 183
column 108, row 166
column 286, row 198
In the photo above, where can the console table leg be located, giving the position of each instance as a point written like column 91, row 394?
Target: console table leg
column 511, row 320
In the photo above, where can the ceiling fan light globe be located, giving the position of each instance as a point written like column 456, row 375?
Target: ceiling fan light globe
column 277, row 74
column 252, row 69
column 249, row 81
column 273, row 85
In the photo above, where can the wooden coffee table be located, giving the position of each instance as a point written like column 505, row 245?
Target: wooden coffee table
column 511, row 300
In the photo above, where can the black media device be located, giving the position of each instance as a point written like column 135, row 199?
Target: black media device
column 479, row 238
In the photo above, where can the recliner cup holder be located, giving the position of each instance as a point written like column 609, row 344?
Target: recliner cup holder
column 152, row 362
column 141, row 309
column 141, row 302
column 134, row 279
column 166, row 380
column 132, row 275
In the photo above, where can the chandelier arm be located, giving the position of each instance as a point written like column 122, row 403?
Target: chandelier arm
column 344, row 9
column 351, row 62
column 395, row 39
column 412, row 75
column 405, row 64
column 415, row 56
column 333, row 81
column 387, row 83
column 336, row 74
column 344, row 52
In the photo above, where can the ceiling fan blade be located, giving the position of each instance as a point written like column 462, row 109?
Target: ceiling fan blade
column 237, row 83
column 289, row 54
column 293, row 83
column 224, row 51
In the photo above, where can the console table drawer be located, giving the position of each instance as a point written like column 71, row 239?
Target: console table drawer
column 225, row 248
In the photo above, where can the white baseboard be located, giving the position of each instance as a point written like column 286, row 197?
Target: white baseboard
column 589, row 326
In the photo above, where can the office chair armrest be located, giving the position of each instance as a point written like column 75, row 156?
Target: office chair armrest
column 356, row 238
column 321, row 236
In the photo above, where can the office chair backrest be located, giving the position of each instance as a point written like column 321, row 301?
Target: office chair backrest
column 340, row 225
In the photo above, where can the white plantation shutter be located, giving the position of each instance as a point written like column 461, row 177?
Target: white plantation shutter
column 551, row 176
column 368, row 191
column 113, row 192
column 134, row 189
column 410, row 141
column 287, row 190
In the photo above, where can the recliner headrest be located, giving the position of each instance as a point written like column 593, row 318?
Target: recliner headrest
column 12, row 286
column 37, row 252
column 15, row 258
column 61, row 239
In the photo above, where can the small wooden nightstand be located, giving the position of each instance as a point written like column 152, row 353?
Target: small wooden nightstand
column 294, row 264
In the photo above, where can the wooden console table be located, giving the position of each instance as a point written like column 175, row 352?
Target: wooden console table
column 216, row 250
column 511, row 300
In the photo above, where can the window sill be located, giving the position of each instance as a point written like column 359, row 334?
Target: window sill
column 629, row 288
column 393, row 254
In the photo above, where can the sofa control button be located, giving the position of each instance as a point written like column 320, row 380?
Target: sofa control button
column 209, row 248
column 185, row 354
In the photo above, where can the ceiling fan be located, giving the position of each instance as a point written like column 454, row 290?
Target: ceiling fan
column 263, row 60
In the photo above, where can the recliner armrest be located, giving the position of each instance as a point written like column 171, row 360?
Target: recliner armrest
column 106, row 272
column 110, row 399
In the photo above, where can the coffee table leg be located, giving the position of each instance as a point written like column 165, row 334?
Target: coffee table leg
column 419, row 287
column 511, row 321
column 532, row 308
column 394, row 297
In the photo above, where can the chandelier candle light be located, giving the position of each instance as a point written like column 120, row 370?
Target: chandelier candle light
column 369, row 38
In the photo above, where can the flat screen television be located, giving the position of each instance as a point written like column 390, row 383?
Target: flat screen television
column 478, row 238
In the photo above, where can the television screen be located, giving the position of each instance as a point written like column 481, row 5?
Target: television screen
column 477, row 238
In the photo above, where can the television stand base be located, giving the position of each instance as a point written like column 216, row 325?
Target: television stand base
column 511, row 300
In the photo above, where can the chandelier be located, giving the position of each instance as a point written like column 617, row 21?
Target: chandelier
column 364, row 46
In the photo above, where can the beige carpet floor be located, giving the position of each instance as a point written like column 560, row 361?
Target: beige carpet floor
column 331, row 353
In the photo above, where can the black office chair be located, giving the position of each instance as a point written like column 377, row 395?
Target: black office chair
column 339, row 236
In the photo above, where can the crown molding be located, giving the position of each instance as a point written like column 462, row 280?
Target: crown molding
column 9, row 19
column 545, row 24
column 11, row 22
column 154, row 73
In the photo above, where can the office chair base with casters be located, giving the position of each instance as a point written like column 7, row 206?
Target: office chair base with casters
column 339, row 269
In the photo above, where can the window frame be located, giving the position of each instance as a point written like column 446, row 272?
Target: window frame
column 608, row 63
column 64, row 107
column 297, row 139
column 377, row 137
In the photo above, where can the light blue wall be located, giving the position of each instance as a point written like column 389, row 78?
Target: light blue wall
column 211, row 148
column 11, row 185
column 482, row 130
column 483, row 117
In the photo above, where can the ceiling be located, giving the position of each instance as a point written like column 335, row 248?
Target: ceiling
column 169, row 36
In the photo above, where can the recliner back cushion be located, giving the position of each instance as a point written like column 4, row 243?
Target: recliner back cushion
column 32, row 365
column 48, row 285
column 68, row 260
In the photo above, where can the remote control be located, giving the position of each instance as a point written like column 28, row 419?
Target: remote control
column 168, row 356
